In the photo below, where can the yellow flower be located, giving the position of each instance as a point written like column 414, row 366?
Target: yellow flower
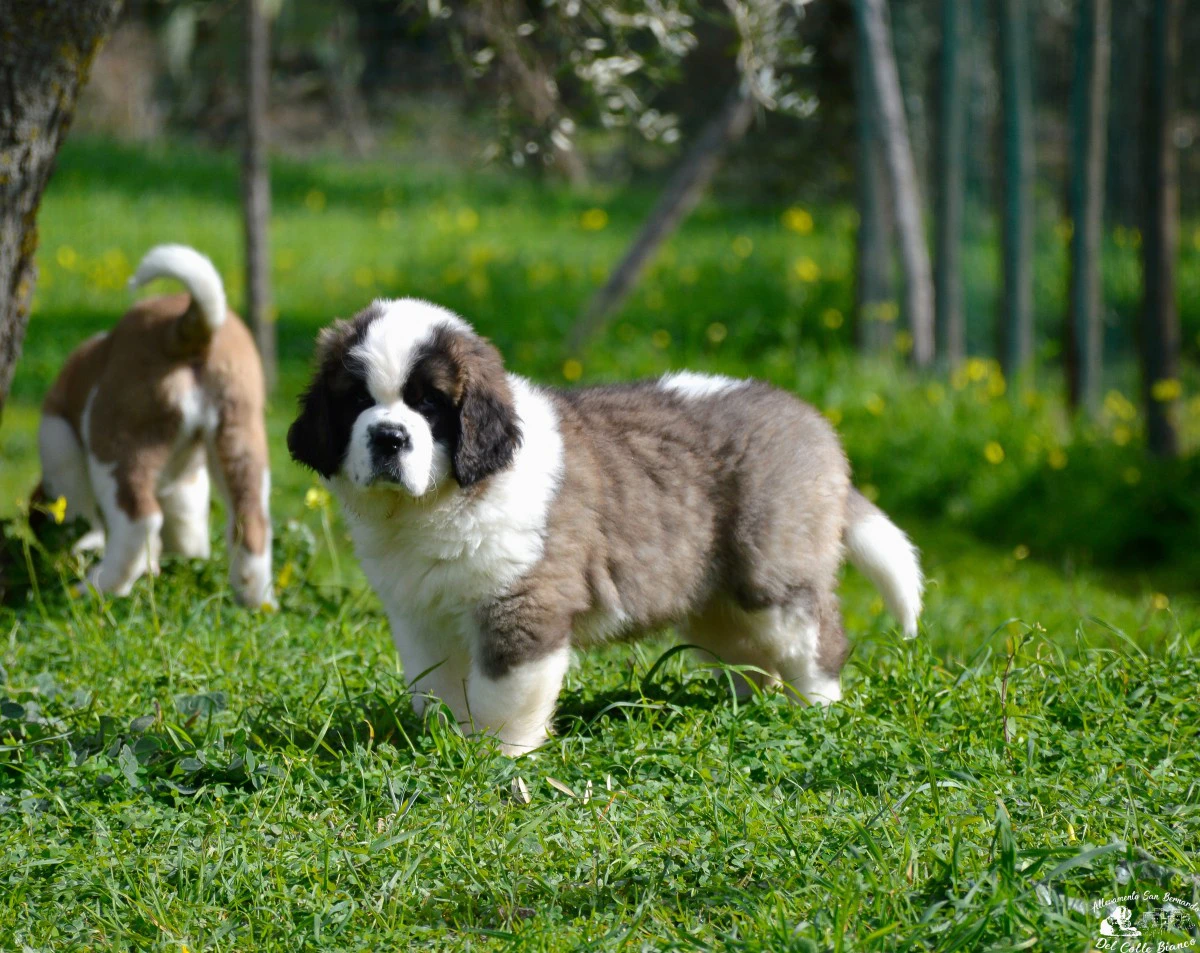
column 807, row 270
column 314, row 201
column 572, row 369
column 316, row 498
column 661, row 339
column 716, row 332
column 798, row 220
column 467, row 219
column 58, row 509
column 743, row 245
column 1119, row 406
column 1121, row 435
column 594, row 219
column 1160, row 602
column 1057, row 459
column 1166, row 390
column 832, row 319
column 977, row 369
column 993, row 452
column 1021, row 552
column 285, row 575
column 996, row 385
column 875, row 404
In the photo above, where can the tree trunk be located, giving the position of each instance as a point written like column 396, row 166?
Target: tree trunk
column 1089, row 129
column 1014, row 336
column 46, row 51
column 873, row 281
column 1159, row 337
column 256, row 190
column 914, row 254
column 951, row 177
column 682, row 193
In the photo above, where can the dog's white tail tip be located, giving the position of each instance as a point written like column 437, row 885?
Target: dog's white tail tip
column 888, row 558
column 194, row 270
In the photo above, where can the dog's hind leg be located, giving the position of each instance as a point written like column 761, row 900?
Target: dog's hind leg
column 134, row 522
column 238, row 461
column 798, row 647
column 727, row 634
column 185, row 504
column 804, row 643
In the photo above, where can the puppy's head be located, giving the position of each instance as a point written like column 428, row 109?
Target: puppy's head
column 404, row 396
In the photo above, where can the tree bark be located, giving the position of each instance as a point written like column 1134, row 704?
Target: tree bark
column 951, row 177
column 682, row 193
column 874, row 289
column 46, row 52
column 256, row 189
column 872, row 19
column 1015, row 329
column 1089, row 130
column 1159, row 337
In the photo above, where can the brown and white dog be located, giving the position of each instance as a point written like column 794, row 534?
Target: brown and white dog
column 141, row 416
column 502, row 523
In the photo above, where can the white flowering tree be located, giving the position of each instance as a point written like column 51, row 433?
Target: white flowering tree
column 615, row 58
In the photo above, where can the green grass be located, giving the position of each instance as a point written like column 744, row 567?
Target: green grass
column 175, row 772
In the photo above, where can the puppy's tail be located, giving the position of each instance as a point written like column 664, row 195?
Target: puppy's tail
column 882, row 553
column 208, row 309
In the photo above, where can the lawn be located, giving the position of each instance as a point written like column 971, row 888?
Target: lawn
column 178, row 774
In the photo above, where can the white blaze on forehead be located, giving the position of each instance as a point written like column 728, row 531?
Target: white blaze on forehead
column 387, row 351
column 693, row 385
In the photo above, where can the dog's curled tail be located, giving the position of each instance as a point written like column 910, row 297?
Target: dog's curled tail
column 882, row 553
column 199, row 276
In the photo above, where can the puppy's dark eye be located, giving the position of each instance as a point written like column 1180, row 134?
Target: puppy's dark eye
column 424, row 400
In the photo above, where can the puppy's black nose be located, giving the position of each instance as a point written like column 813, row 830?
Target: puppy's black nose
column 387, row 437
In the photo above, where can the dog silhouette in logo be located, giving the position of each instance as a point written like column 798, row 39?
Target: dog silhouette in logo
column 1117, row 923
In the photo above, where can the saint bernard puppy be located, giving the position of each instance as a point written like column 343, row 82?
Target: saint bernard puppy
column 502, row 523
column 143, row 415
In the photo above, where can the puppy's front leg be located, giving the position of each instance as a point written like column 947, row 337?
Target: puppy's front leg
column 432, row 666
column 516, row 675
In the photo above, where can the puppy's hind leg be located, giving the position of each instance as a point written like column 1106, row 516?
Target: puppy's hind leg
column 238, row 460
column 728, row 634
column 134, row 521
column 805, row 644
column 185, row 503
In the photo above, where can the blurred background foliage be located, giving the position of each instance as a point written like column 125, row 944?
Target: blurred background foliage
column 404, row 161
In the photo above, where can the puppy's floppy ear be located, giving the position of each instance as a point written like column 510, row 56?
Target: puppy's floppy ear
column 489, row 432
column 311, row 439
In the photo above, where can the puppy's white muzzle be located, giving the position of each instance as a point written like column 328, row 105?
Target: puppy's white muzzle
column 391, row 444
